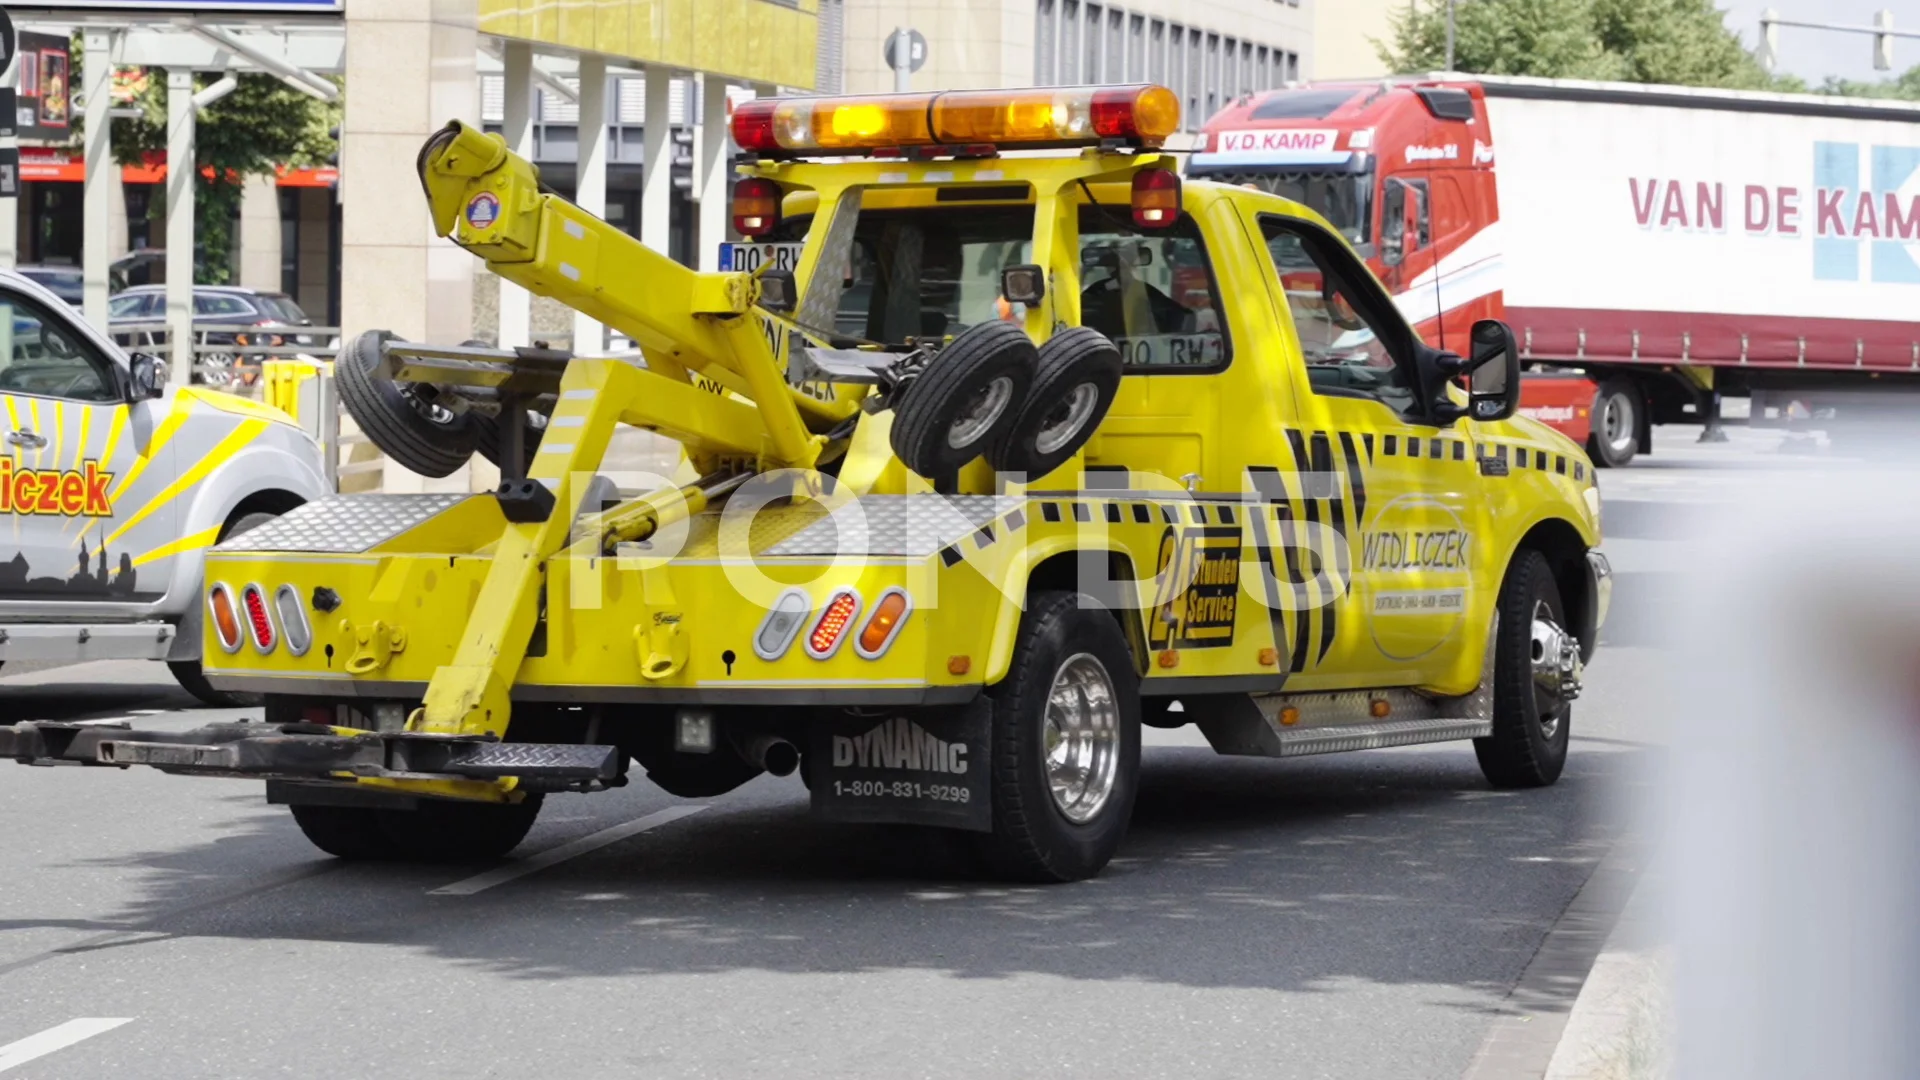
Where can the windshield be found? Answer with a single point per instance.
(1344, 198)
(932, 272)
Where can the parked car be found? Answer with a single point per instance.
(223, 306)
(64, 282)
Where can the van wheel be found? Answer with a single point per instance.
(1078, 374)
(1065, 743)
(187, 672)
(1614, 437)
(1528, 747)
(964, 400)
(438, 831)
(401, 419)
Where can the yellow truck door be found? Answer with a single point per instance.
(1390, 495)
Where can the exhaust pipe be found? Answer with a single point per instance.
(772, 753)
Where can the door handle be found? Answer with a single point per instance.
(27, 439)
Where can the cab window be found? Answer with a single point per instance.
(206, 304)
(43, 355)
(934, 271)
(1351, 347)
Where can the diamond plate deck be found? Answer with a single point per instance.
(1295, 742)
(907, 525)
(342, 523)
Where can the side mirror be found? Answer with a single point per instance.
(1493, 371)
(149, 375)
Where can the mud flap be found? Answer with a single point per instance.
(925, 766)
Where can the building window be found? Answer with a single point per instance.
(1045, 43)
(830, 64)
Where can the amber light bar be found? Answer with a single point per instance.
(1054, 116)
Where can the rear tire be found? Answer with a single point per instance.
(1065, 744)
(412, 434)
(1614, 435)
(965, 399)
(1528, 747)
(187, 672)
(438, 831)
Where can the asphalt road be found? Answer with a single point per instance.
(1351, 916)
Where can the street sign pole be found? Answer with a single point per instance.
(906, 53)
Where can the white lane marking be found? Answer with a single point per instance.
(57, 1038)
(591, 842)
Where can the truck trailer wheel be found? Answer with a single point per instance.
(438, 831)
(421, 436)
(187, 672)
(1077, 375)
(965, 399)
(1615, 434)
(1528, 747)
(1066, 744)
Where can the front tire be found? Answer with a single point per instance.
(421, 437)
(1065, 743)
(437, 831)
(1528, 747)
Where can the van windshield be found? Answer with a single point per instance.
(934, 271)
(1344, 198)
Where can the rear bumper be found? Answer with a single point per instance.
(311, 751)
(772, 695)
(1599, 599)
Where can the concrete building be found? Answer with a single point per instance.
(1208, 52)
(1345, 33)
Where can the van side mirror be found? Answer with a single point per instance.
(1493, 371)
(149, 376)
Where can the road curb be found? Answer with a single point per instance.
(1523, 1042)
(1620, 1027)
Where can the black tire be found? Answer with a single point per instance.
(187, 672)
(1075, 378)
(965, 375)
(1614, 437)
(438, 831)
(391, 417)
(1033, 839)
(1528, 747)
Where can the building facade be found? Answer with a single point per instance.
(1209, 53)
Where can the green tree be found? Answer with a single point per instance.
(1664, 41)
(263, 123)
(1905, 87)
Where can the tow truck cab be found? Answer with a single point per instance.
(1244, 484)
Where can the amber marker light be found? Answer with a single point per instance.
(226, 620)
(1379, 709)
(1289, 716)
(889, 615)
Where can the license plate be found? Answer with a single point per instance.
(749, 258)
(914, 767)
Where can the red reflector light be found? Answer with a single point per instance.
(753, 125)
(1156, 198)
(756, 205)
(258, 620)
(830, 629)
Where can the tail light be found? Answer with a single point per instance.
(782, 625)
(756, 206)
(294, 628)
(225, 616)
(889, 615)
(259, 622)
(830, 629)
(1156, 198)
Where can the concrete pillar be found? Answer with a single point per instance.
(117, 233)
(712, 179)
(590, 192)
(260, 234)
(656, 181)
(411, 66)
(316, 252)
(96, 200)
(516, 304)
(180, 177)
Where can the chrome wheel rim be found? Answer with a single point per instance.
(1548, 651)
(1616, 421)
(982, 410)
(1082, 738)
(1066, 420)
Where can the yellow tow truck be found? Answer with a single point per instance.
(1011, 443)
